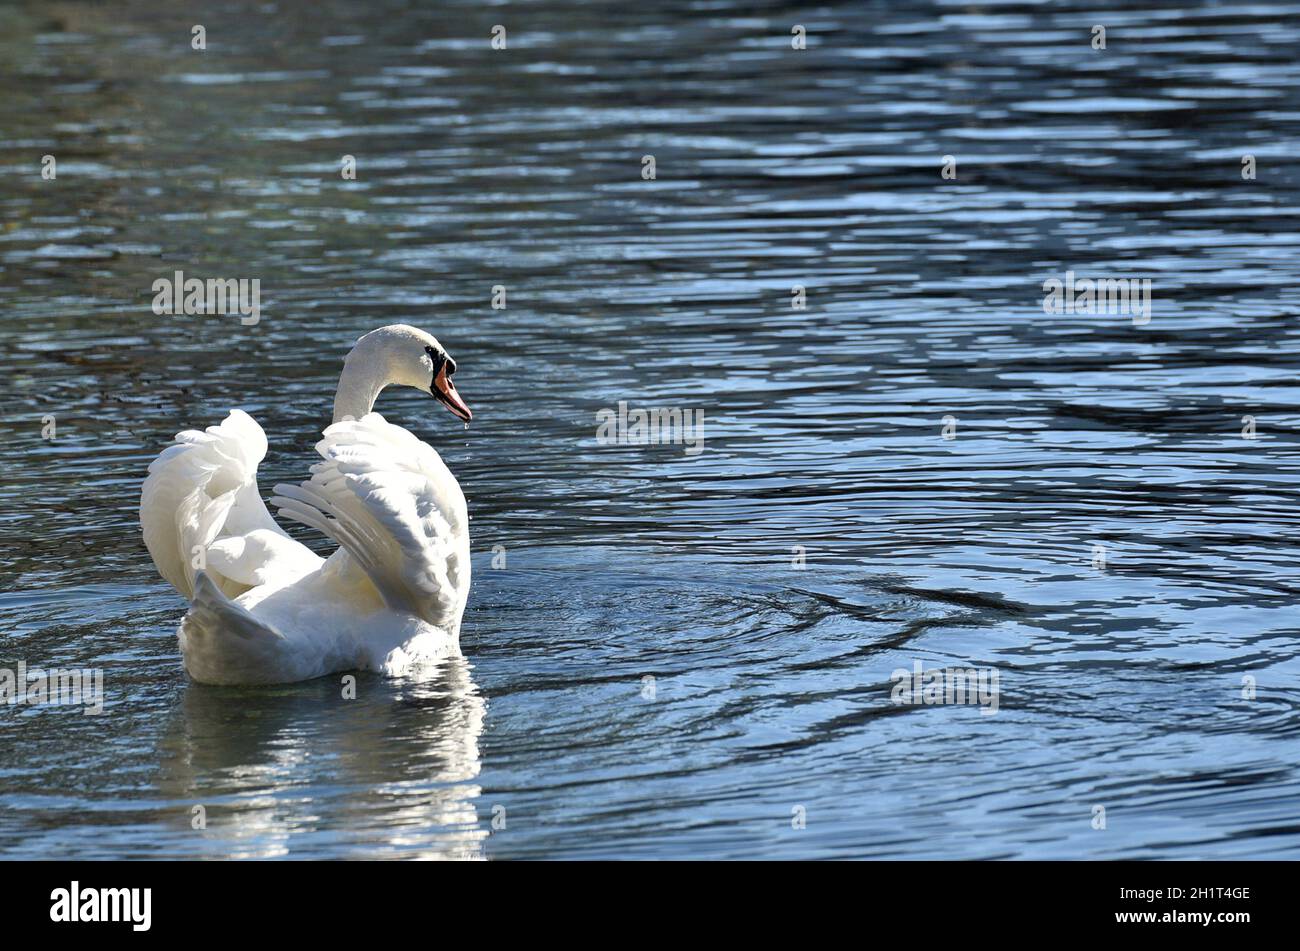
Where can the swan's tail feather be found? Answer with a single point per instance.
(223, 643)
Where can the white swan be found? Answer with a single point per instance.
(265, 608)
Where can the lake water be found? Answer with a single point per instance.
(1098, 532)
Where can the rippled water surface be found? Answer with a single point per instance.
(1076, 436)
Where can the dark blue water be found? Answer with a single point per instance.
(827, 534)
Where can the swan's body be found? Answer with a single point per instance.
(265, 608)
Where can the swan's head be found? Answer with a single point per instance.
(402, 355)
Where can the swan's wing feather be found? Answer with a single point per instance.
(390, 501)
(201, 491)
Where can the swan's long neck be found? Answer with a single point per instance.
(359, 385)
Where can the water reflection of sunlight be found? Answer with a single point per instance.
(298, 770)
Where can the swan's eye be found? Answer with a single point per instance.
(439, 358)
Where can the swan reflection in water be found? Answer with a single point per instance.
(298, 770)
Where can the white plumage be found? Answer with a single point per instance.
(265, 608)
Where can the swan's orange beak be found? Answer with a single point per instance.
(444, 391)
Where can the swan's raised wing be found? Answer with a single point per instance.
(200, 507)
(390, 501)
